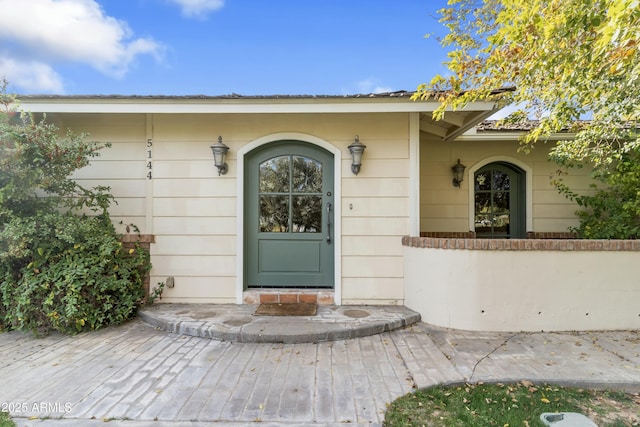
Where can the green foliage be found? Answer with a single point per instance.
(562, 59)
(60, 268)
(5, 420)
(156, 293)
(611, 212)
(519, 404)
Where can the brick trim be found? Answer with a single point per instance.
(129, 241)
(138, 238)
(523, 244)
(449, 234)
(551, 235)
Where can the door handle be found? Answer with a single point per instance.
(328, 222)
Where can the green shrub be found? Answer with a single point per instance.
(70, 274)
(612, 210)
(62, 265)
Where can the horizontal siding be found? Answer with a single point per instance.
(373, 288)
(112, 128)
(554, 224)
(373, 266)
(120, 188)
(194, 245)
(237, 129)
(379, 168)
(375, 226)
(129, 207)
(193, 211)
(194, 206)
(182, 169)
(371, 245)
(194, 187)
(197, 287)
(194, 226)
(133, 150)
(103, 169)
(389, 207)
(445, 208)
(375, 187)
(194, 265)
(444, 224)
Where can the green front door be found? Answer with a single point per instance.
(289, 216)
(500, 201)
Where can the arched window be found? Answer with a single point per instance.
(500, 200)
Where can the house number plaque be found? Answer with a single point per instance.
(149, 159)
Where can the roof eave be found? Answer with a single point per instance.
(231, 105)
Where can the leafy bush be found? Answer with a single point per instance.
(62, 266)
(612, 211)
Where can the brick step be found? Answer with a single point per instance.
(259, 296)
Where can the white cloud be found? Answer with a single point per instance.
(371, 85)
(198, 8)
(34, 75)
(77, 31)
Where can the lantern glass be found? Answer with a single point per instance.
(458, 173)
(219, 155)
(356, 149)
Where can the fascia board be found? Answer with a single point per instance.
(232, 106)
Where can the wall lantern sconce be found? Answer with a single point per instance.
(356, 149)
(458, 173)
(219, 155)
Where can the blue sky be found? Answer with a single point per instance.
(217, 47)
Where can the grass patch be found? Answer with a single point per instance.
(509, 405)
(5, 420)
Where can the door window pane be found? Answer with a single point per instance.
(307, 175)
(290, 193)
(483, 181)
(274, 175)
(274, 214)
(492, 204)
(307, 214)
(501, 181)
(483, 214)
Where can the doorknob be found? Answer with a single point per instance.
(328, 222)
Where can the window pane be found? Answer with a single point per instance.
(274, 175)
(274, 214)
(483, 213)
(483, 181)
(307, 175)
(501, 214)
(501, 181)
(307, 214)
(501, 202)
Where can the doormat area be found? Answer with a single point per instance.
(287, 309)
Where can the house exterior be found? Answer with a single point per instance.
(290, 220)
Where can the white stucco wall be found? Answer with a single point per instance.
(523, 290)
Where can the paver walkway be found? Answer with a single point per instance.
(135, 375)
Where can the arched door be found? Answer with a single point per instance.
(289, 216)
(499, 201)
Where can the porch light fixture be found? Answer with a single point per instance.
(356, 149)
(219, 155)
(458, 173)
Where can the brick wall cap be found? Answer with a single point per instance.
(562, 244)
